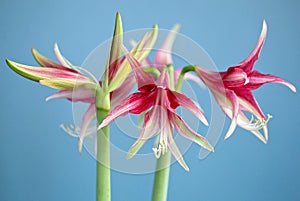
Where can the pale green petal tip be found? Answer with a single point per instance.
(80, 143)
(118, 25)
(176, 27)
(21, 71)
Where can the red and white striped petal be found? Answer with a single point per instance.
(150, 127)
(175, 150)
(143, 79)
(135, 103)
(256, 79)
(120, 93)
(88, 117)
(177, 99)
(248, 102)
(184, 130)
(37, 73)
(75, 95)
(233, 101)
(248, 63)
(235, 77)
(45, 62)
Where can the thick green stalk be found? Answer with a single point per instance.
(103, 192)
(161, 180)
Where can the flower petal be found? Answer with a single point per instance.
(248, 63)
(184, 130)
(233, 100)
(45, 62)
(37, 73)
(140, 52)
(248, 102)
(175, 150)
(164, 80)
(76, 95)
(235, 77)
(135, 103)
(163, 56)
(88, 117)
(67, 84)
(177, 99)
(115, 50)
(62, 60)
(151, 126)
(256, 79)
(118, 95)
(143, 79)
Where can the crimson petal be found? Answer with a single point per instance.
(248, 63)
(135, 103)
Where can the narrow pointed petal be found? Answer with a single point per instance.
(233, 99)
(143, 79)
(62, 60)
(151, 126)
(37, 73)
(115, 50)
(120, 93)
(184, 130)
(140, 52)
(248, 102)
(67, 84)
(164, 80)
(248, 63)
(45, 62)
(163, 56)
(145, 45)
(177, 99)
(145, 62)
(88, 117)
(256, 79)
(135, 103)
(76, 95)
(175, 151)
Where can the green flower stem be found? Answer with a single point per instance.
(161, 179)
(152, 71)
(103, 192)
(170, 68)
(181, 76)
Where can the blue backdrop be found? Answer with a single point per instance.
(38, 161)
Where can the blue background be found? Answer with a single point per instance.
(38, 161)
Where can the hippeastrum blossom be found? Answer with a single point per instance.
(159, 102)
(75, 86)
(232, 90)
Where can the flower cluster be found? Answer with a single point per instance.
(158, 93)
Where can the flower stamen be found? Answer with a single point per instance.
(160, 149)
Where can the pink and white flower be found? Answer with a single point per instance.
(159, 102)
(232, 90)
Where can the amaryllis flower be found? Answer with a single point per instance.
(159, 102)
(232, 90)
(78, 85)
